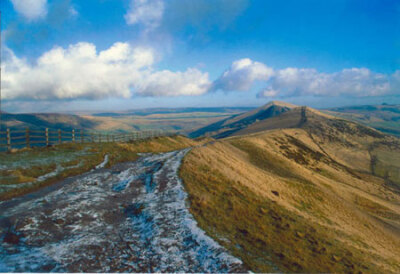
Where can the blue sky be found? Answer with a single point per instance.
(121, 54)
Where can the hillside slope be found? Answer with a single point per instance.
(46, 120)
(320, 196)
(231, 125)
(385, 118)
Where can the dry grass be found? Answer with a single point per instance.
(90, 156)
(280, 201)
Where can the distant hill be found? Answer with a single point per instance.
(236, 123)
(153, 111)
(309, 118)
(274, 115)
(385, 117)
(46, 120)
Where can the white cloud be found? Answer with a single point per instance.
(357, 82)
(167, 83)
(242, 74)
(288, 82)
(31, 9)
(146, 12)
(81, 72)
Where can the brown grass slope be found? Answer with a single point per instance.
(320, 196)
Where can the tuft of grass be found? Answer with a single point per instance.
(375, 208)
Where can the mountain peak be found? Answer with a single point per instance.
(280, 104)
(236, 123)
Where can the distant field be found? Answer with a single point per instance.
(183, 120)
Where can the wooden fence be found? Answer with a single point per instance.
(28, 138)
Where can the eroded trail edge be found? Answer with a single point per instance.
(132, 217)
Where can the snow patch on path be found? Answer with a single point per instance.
(132, 217)
(177, 243)
(102, 164)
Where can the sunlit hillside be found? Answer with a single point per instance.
(313, 194)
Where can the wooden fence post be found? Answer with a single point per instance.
(47, 137)
(91, 137)
(81, 136)
(73, 136)
(59, 136)
(8, 139)
(99, 137)
(27, 138)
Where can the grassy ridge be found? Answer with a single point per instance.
(279, 202)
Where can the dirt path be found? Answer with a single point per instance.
(132, 217)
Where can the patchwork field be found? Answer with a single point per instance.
(183, 120)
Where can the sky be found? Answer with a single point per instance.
(114, 55)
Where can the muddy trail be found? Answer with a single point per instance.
(132, 217)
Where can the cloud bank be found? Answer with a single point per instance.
(355, 82)
(292, 82)
(79, 71)
(31, 9)
(123, 71)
